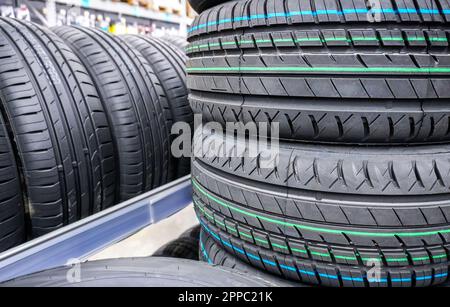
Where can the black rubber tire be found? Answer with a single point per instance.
(314, 270)
(177, 41)
(12, 219)
(183, 247)
(329, 204)
(202, 5)
(211, 252)
(142, 272)
(133, 100)
(423, 171)
(325, 77)
(186, 246)
(194, 232)
(58, 127)
(168, 63)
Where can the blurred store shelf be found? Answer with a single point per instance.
(125, 8)
(155, 17)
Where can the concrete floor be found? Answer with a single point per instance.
(147, 241)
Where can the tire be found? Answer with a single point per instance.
(142, 272)
(193, 233)
(202, 5)
(12, 219)
(361, 173)
(168, 64)
(183, 247)
(345, 81)
(179, 42)
(58, 126)
(186, 246)
(318, 272)
(212, 253)
(299, 215)
(422, 171)
(133, 100)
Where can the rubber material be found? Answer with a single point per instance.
(326, 240)
(345, 80)
(59, 127)
(12, 220)
(388, 221)
(329, 206)
(142, 272)
(356, 121)
(211, 252)
(194, 233)
(240, 15)
(318, 273)
(178, 41)
(185, 247)
(168, 64)
(382, 171)
(378, 211)
(131, 95)
(326, 243)
(201, 5)
(313, 207)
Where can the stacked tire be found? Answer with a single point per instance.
(60, 141)
(202, 5)
(168, 62)
(360, 195)
(85, 123)
(177, 41)
(143, 272)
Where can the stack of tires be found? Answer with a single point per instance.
(360, 195)
(85, 123)
(177, 41)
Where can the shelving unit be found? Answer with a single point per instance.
(126, 9)
(48, 10)
(97, 232)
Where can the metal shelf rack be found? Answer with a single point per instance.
(90, 235)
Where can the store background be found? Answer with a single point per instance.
(156, 17)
